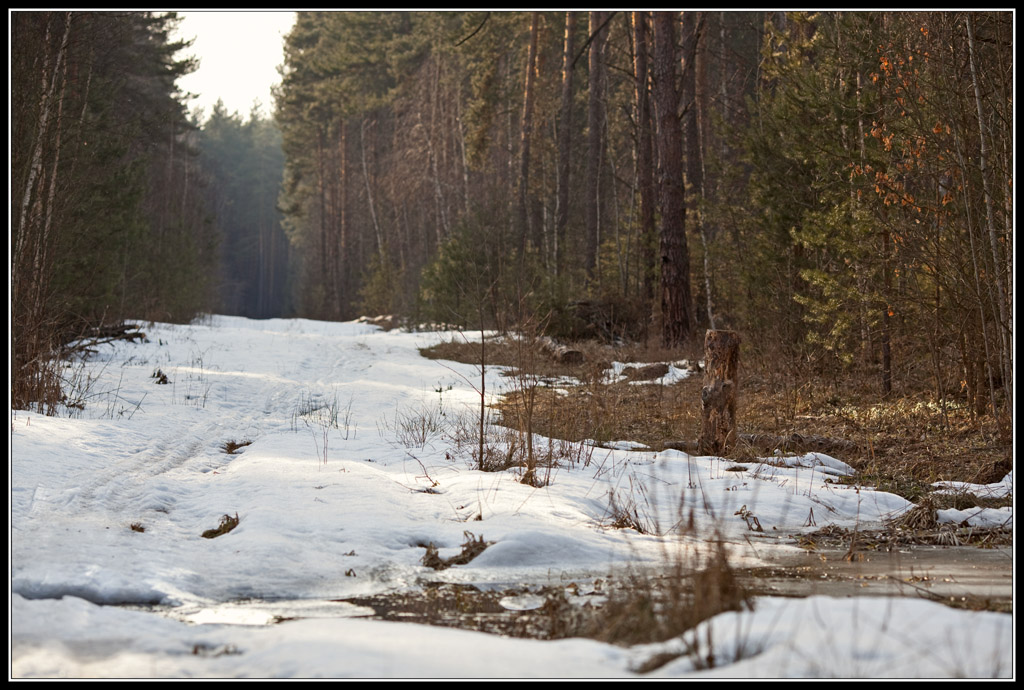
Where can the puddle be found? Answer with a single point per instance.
(963, 577)
(958, 576)
(535, 611)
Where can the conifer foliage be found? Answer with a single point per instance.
(107, 220)
(841, 183)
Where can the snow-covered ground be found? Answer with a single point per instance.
(359, 458)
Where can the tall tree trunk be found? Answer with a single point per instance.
(1005, 326)
(676, 302)
(644, 157)
(691, 129)
(342, 182)
(564, 142)
(595, 144)
(525, 133)
(25, 234)
(369, 191)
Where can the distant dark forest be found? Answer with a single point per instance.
(836, 185)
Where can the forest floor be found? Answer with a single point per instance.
(901, 443)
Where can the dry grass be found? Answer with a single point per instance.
(471, 548)
(232, 447)
(903, 443)
(227, 523)
(672, 604)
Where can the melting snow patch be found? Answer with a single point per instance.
(828, 464)
(999, 489)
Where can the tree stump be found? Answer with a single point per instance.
(718, 396)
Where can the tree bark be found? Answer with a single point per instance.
(691, 130)
(1005, 326)
(595, 124)
(564, 142)
(718, 396)
(644, 156)
(676, 301)
(525, 133)
(369, 191)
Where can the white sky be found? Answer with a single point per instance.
(239, 53)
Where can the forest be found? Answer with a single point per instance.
(836, 186)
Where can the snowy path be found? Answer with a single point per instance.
(336, 499)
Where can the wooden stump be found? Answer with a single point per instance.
(718, 396)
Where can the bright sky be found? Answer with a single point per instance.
(239, 53)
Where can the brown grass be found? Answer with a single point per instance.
(471, 548)
(227, 523)
(905, 442)
(232, 447)
(671, 604)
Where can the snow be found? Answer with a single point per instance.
(1004, 487)
(358, 460)
(677, 371)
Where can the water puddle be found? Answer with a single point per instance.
(963, 577)
(957, 576)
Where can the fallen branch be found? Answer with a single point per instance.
(560, 353)
(100, 335)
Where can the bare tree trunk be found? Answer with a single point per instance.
(676, 301)
(525, 132)
(644, 156)
(718, 396)
(369, 191)
(564, 142)
(343, 203)
(462, 152)
(48, 93)
(595, 124)
(1005, 325)
(441, 226)
(691, 130)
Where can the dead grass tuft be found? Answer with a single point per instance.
(671, 604)
(471, 548)
(923, 516)
(227, 523)
(232, 447)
